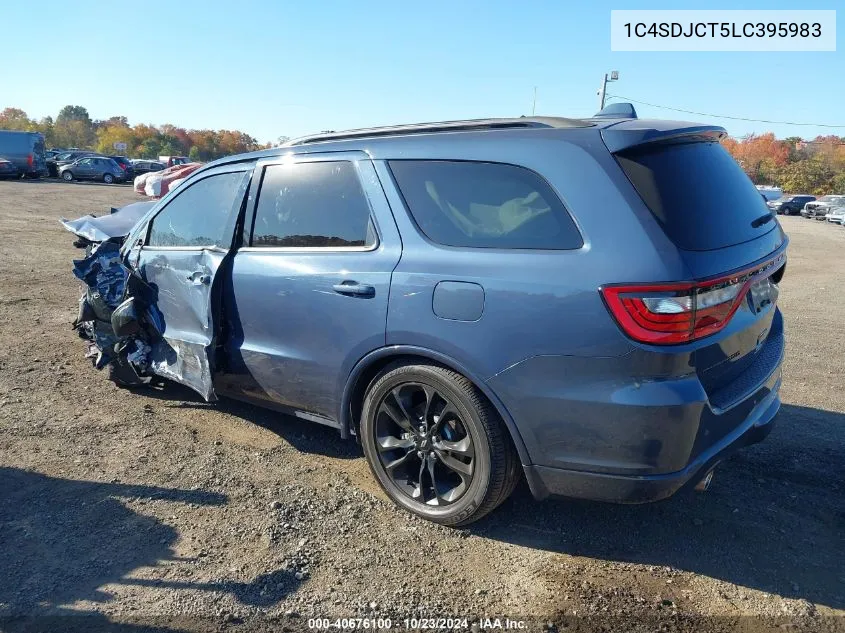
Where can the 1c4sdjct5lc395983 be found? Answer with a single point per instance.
(590, 303)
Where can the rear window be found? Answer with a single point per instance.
(698, 193)
(484, 205)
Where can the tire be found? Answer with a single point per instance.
(108, 179)
(420, 463)
(67, 176)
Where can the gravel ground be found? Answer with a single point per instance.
(152, 510)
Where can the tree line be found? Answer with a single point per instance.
(73, 127)
(795, 165)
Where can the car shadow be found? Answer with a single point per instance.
(774, 519)
(306, 437)
(61, 540)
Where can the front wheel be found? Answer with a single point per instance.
(67, 176)
(436, 445)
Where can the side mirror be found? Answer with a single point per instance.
(124, 319)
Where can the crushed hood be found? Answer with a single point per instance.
(118, 224)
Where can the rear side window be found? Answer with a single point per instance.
(484, 205)
(200, 214)
(308, 205)
(698, 193)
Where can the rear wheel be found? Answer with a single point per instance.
(436, 445)
(108, 179)
(67, 175)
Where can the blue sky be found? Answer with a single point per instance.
(289, 68)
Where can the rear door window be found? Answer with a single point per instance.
(484, 205)
(312, 205)
(698, 193)
(200, 214)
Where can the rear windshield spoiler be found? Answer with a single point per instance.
(636, 133)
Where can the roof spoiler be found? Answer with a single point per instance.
(635, 133)
(616, 111)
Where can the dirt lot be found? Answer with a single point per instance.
(153, 509)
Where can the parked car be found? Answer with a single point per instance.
(770, 193)
(145, 166)
(65, 158)
(8, 169)
(836, 215)
(172, 161)
(436, 298)
(790, 205)
(25, 150)
(818, 209)
(93, 168)
(126, 165)
(157, 184)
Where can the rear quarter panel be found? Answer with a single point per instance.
(536, 302)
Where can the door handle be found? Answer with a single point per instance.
(354, 288)
(199, 277)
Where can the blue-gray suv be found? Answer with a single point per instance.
(588, 303)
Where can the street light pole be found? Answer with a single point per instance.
(614, 75)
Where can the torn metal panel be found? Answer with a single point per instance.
(118, 224)
(185, 363)
(103, 272)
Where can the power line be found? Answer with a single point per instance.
(723, 116)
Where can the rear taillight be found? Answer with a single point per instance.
(666, 314)
(29, 160)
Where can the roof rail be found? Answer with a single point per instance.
(616, 111)
(443, 126)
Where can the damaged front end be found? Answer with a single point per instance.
(117, 313)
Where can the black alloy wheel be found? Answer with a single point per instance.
(424, 445)
(436, 445)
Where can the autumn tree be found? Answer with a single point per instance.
(15, 119)
(813, 176)
(108, 135)
(74, 128)
(761, 156)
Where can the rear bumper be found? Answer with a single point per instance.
(545, 481)
(597, 428)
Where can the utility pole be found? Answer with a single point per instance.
(534, 105)
(614, 76)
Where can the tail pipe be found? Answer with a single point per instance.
(704, 484)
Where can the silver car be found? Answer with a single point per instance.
(819, 208)
(836, 215)
(92, 168)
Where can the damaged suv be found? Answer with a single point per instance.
(588, 302)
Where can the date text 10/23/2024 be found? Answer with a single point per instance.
(418, 624)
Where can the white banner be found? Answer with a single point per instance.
(722, 30)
